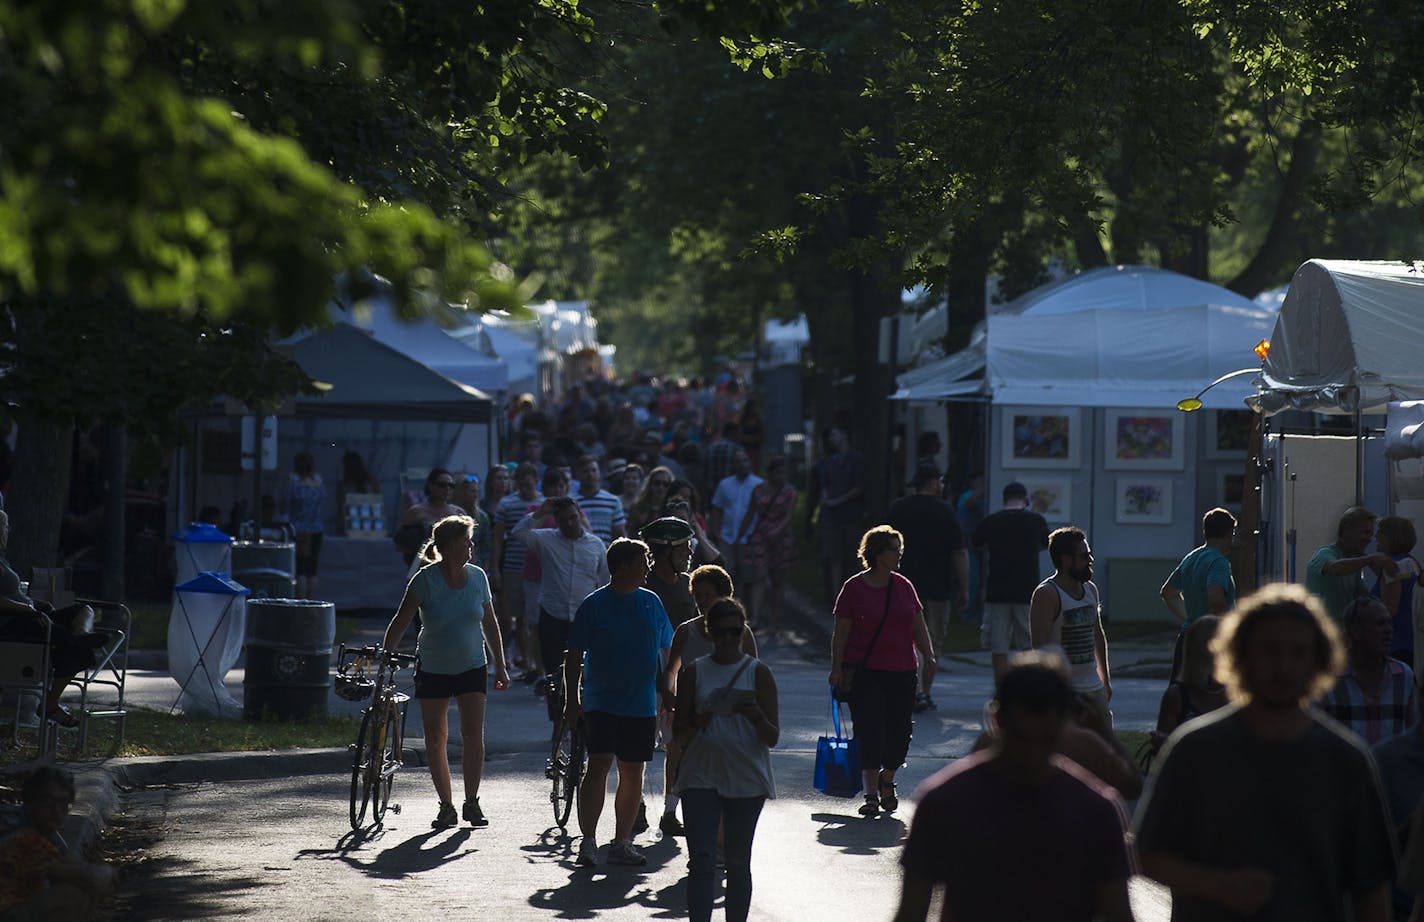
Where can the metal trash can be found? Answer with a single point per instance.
(267, 568)
(289, 643)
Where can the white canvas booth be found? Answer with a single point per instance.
(401, 416)
(1084, 376)
(1346, 344)
(397, 413)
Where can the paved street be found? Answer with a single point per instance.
(281, 847)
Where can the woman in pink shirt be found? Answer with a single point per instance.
(879, 625)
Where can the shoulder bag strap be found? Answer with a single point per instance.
(889, 587)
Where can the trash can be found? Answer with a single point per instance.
(289, 645)
(200, 548)
(267, 568)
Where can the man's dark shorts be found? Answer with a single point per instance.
(630, 739)
(448, 685)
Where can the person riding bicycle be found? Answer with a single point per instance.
(671, 541)
(574, 562)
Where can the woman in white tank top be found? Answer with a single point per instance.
(726, 720)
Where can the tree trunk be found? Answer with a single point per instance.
(39, 489)
(1281, 235)
(114, 458)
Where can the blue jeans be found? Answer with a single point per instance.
(703, 810)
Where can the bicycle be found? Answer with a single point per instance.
(568, 755)
(376, 754)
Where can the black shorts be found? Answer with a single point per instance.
(306, 563)
(630, 739)
(448, 685)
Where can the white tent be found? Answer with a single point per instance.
(426, 341)
(1349, 336)
(515, 341)
(1123, 336)
(1116, 336)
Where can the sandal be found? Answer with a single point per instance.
(871, 807)
(888, 796)
(61, 716)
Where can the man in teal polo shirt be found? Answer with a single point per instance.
(1202, 583)
(1335, 574)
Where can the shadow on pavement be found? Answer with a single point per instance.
(185, 892)
(422, 852)
(608, 887)
(856, 835)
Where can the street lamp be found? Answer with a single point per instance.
(1192, 404)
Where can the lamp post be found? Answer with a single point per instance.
(1192, 404)
(1250, 504)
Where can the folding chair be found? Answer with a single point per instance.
(24, 683)
(108, 675)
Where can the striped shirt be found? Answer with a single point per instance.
(508, 513)
(1377, 715)
(1076, 631)
(604, 511)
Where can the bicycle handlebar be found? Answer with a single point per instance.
(377, 652)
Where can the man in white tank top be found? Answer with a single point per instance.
(1065, 614)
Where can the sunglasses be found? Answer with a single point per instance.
(444, 483)
(726, 631)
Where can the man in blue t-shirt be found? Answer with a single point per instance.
(617, 647)
(1202, 583)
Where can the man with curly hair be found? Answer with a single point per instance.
(1266, 808)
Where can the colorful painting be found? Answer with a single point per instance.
(1143, 440)
(1041, 437)
(1231, 490)
(1144, 501)
(1228, 434)
(1049, 496)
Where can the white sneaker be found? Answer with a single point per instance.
(626, 853)
(587, 853)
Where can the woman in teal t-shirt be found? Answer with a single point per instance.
(458, 634)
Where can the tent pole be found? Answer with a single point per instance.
(1359, 450)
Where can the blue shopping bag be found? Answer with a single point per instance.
(838, 761)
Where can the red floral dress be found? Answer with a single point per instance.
(767, 553)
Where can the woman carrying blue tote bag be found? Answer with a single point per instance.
(838, 761)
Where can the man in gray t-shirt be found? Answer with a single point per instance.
(1267, 809)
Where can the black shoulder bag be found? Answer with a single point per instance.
(846, 690)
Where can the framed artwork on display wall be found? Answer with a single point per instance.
(1143, 440)
(1227, 432)
(1050, 495)
(1143, 500)
(1230, 488)
(1040, 437)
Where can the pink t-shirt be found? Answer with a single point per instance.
(864, 605)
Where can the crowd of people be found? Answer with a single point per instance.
(634, 552)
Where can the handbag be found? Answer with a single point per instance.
(846, 690)
(838, 761)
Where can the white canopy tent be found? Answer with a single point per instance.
(1123, 336)
(428, 342)
(1347, 339)
(1115, 336)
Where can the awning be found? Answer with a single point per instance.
(947, 378)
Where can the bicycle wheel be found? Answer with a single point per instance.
(360, 756)
(383, 771)
(560, 768)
